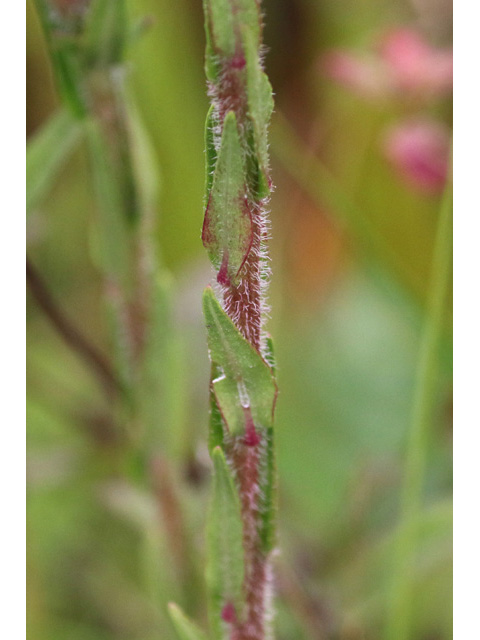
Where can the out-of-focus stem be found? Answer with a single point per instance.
(399, 614)
(95, 360)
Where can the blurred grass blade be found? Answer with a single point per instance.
(62, 31)
(399, 620)
(48, 152)
(225, 554)
(163, 383)
(113, 254)
(246, 381)
(145, 165)
(185, 628)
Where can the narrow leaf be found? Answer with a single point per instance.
(62, 32)
(221, 25)
(210, 153)
(215, 433)
(185, 628)
(227, 228)
(145, 169)
(162, 387)
(47, 154)
(113, 231)
(260, 106)
(224, 21)
(268, 504)
(246, 381)
(225, 567)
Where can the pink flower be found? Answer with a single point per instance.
(419, 151)
(415, 66)
(364, 75)
(405, 66)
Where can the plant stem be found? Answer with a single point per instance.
(235, 234)
(95, 360)
(399, 615)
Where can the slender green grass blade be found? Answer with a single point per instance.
(399, 615)
(113, 254)
(63, 40)
(48, 152)
(185, 628)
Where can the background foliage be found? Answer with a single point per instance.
(352, 250)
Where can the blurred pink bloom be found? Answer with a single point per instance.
(416, 66)
(363, 75)
(419, 151)
(405, 66)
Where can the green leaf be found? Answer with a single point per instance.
(163, 380)
(144, 167)
(62, 32)
(185, 628)
(246, 380)
(113, 241)
(47, 154)
(210, 152)
(260, 106)
(224, 21)
(249, 17)
(215, 433)
(268, 494)
(269, 354)
(225, 564)
(227, 228)
(221, 25)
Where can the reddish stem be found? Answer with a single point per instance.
(245, 458)
(242, 302)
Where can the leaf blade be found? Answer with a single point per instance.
(227, 230)
(247, 380)
(225, 565)
(47, 152)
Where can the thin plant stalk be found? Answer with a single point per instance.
(88, 42)
(399, 615)
(235, 234)
(240, 527)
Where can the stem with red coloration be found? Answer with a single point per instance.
(235, 233)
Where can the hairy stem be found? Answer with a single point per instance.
(235, 234)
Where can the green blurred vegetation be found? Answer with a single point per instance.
(111, 541)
